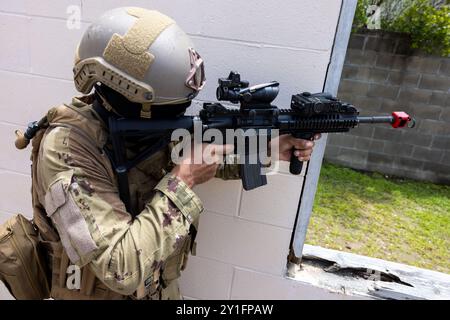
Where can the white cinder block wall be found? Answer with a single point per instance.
(244, 237)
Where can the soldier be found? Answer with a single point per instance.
(139, 64)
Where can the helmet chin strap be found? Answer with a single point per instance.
(146, 111)
(117, 104)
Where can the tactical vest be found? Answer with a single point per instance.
(91, 288)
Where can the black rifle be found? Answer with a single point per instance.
(309, 114)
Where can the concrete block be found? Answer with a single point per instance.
(264, 206)
(15, 39)
(422, 175)
(380, 44)
(220, 196)
(383, 168)
(397, 149)
(415, 95)
(378, 75)
(245, 21)
(282, 167)
(410, 63)
(407, 63)
(445, 115)
(362, 58)
(347, 155)
(403, 47)
(92, 9)
(363, 73)
(392, 62)
(440, 99)
(363, 131)
(353, 87)
(432, 82)
(388, 134)
(51, 8)
(243, 243)
(445, 67)
(18, 6)
(4, 293)
(366, 105)
(12, 97)
(48, 93)
(31, 96)
(442, 171)
(331, 151)
(384, 91)
(408, 79)
(417, 138)
(434, 127)
(441, 142)
(388, 106)
(380, 158)
(11, 158)
(52, 47)
(257, 65)
(424, 111)
(254, 23)
(446, 159)
(363, 143)
(256, 285)
(16, 193)
(206, 279)
(356, 41)
(427, 154)
(377, 145)
(430, 65)
(4, 216)
(408, 163)
(386, 61)
(341, 140)
(352, 72)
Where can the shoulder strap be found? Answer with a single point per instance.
(24, 138)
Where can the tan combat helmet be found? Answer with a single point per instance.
(143, 55)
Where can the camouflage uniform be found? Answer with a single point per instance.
(75, 191)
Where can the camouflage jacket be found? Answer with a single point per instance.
(74, 182)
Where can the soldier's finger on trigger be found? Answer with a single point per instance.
(302, 144)
(303, 153)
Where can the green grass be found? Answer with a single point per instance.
(397, 220)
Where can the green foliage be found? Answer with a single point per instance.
(398, 220)
(427, 24)
(360, 19)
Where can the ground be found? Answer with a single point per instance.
(393, 219)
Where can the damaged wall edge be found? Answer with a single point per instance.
(366, 277)
(340, 272)
(333, 76)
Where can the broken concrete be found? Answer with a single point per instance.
(367, 277)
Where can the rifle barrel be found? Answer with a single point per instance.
(376, 119)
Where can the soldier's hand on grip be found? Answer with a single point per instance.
(200, 165)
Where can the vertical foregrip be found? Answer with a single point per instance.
(296, 166)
